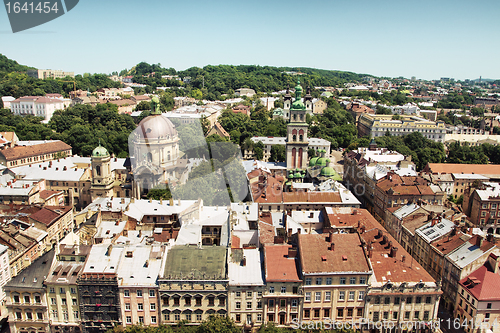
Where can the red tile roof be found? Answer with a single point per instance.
(316, 255)
(481, 169)
(45, 194)
(384, 266)
(35, 150)
(266, 233)
(483, 284)
(50, 214)
(312, 197)
(280, 268)
(447, 244)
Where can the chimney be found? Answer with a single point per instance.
(384, 240)
(298, 231)
(332, 246)
(362, 230)
(290, 231)
(161, 201)
(370, 250)
(292, 252)
(171, 202)
(403, 259)
(479, 241)
(394, 251)
(244, 261)
(330, 236)
(123, 200)
(380, 233)
(65, 168)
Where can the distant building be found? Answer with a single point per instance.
(218, 130)
(49, 74)
(244, 92)
(39, 106)
(6, 100)
(378, 125)
(29, 154)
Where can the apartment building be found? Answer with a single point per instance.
(193, 285)
(26, 297)
(63, 301)
(481, 203)
(478, 298)
(5, 277)
(246, 287)
(283, 297)
(138, 271)
(57, 221)
(335, 272)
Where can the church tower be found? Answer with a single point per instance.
(102, 176)
(296, 140)
(308, 101)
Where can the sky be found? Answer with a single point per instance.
(428, 39)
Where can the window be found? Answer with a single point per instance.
(375, 316)
(198, 301)
(188, 316)
(238, 305)
(259, 305)
(271, 303)
(361, 295)
(426, 315)
(152, 306)
(328, 281)
(360, 312)
(283, 290)
(16, 299)
(249, 305)
(416, 315)
(259, 293)
(259, 317)
(39, 316)
(351, 296)
(140, 306)
(407, 315)
(127, 306)
(387, 300)
(342, 296)
(54, 315)
(73, 290)
(62, 290)
(328, 295)
(126, 293)
(352, 280)
(53, 301)
(75, 301)
(19, 315)
(428, 300)
(177, 301)
(153, 319)
(63, 300)
(488, 305)
(386, 315)
(486, 316)
(319, 281)
(317, 296)
(307, 313)
(362, 280)
(238, 294)
(308, 296)
(308, 281)
(271, 290)
(377, 300)
(187, 300)
(151, 293)
(26, 299)
(418, 300)
(139, 293)
(198, 317)
(141, 320)
(52, 290)
(250, 294)
(397, 300)
(409, 300)
(395, 315)
(342, 280)
(222, 301)
(238, 318)
(177, 317)
(29, 315)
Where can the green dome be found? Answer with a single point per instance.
(328, 172)
(312, 162)
(100, 151)
(298, 175)
(322, 161)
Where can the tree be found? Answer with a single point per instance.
(196, 94)
(278, 153)
(219, 324)
(159, 193)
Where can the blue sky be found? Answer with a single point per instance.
(426, 39)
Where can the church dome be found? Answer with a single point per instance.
(100, 151)
(312, 162)
(156, 127)
(328, 172)
(322, 161)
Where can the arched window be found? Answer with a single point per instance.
(294, 138)
(301, 138)
(301, 117)
(294, 131)
(294, 117)
(98, 170)
(150, 157)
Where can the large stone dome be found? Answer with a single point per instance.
(156, 127)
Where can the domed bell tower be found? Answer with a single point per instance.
(102, 176)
